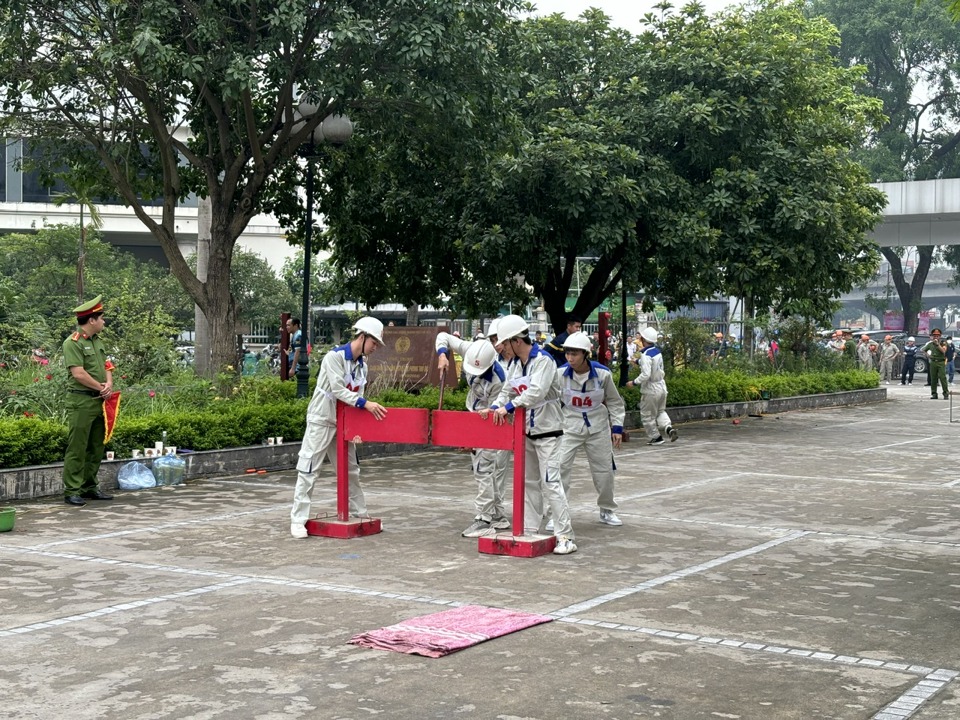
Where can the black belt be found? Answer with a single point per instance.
(91, 393)
(541, 436)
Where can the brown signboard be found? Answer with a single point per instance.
(408, 359)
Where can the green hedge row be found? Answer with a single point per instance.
(707, 387)
(36, 441)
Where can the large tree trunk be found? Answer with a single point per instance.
(911, 294)
(221, 313)
(600, 285)
(220, 308)
(746, 328)
(201, 341)
(413, 315)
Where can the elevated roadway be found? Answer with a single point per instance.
(920, 212)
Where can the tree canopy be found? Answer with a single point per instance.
(38, 287)
(170, 97)
(708, 155)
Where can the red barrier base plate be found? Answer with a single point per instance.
(517, 545)
(354, 527)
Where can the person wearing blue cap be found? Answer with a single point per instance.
(89, 384)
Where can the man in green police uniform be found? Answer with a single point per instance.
(936, 350)
(89, 384)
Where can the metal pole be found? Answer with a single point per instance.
(303, 362)
(624, 369)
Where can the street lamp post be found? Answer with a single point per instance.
(335, 130)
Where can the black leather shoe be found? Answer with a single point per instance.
(97, 495)
(74, 500)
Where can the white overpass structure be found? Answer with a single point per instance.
(26, 206)
(122, 228)
(920, 212)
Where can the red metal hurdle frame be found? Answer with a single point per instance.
(443, 428)
(459, 428)
(401, 425)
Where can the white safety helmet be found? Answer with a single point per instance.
(511, 326)
(911, 339)
(492, 329)
(578, 341)
(649, 334)
(478, 358)
(371, 326)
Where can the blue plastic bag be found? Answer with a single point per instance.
(135, 476)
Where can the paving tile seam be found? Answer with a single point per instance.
(120, 607)
(677, 575)
(932, 676)
(908, 704)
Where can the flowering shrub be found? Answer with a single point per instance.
(27, 392)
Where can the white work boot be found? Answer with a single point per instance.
(297, 530)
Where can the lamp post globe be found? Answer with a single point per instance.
(335, 130)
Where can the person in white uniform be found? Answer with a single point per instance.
(533, 384)
(343, 375)
(593, 413)
(653, 390)
(485, 378)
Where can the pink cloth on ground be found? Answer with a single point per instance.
(446, 632)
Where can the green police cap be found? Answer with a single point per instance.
(89, 308)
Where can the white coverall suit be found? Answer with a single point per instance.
(536, 388)
(653, 393)
(592, 411)
(342, 378)
(489, 466)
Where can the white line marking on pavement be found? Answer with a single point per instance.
(931, 675)
(155, 528)
(775, 529)
(831, 479)
(913, 699)
(110, 609)
(683, 486)
(676, 575)
(892, 445)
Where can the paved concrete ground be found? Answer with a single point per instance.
(794, 566)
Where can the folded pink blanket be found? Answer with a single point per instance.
(446, 632)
